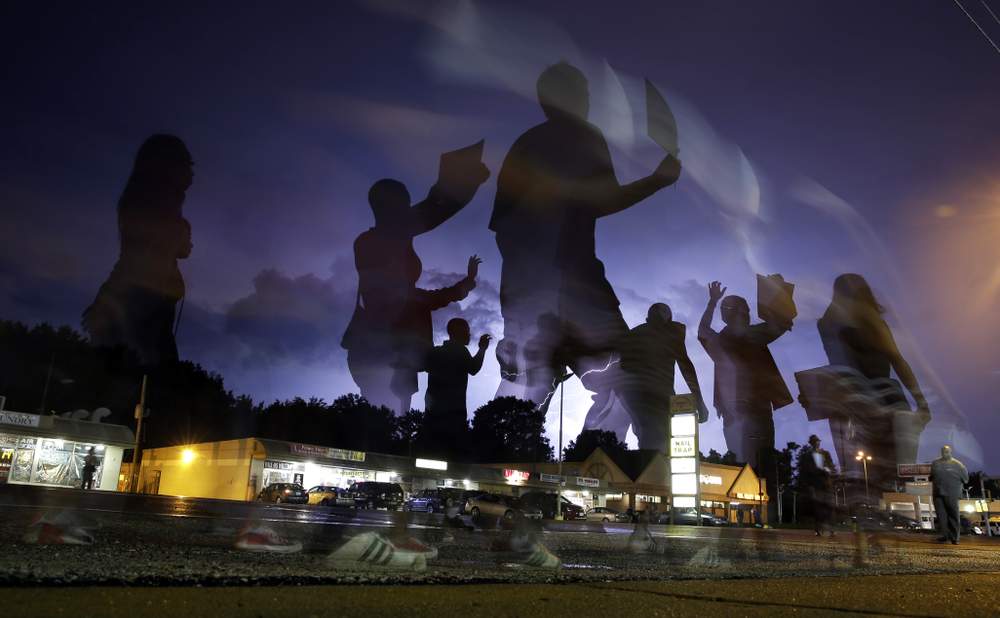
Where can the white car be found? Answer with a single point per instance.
(603, 514)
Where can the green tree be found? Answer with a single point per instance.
(590, 439)
(508, 429)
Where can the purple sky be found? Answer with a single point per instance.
(817, 139)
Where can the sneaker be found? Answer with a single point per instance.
(542, 558)
(374, 549)
(262, 538)
(45, 533)
(411, 544)
(58, 528)
(642, 545)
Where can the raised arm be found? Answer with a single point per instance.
(477, 360)
(691, 379)
(715, 293)
(442, 204)
(435, 299)
(606, 196)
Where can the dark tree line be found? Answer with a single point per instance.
(56, 370)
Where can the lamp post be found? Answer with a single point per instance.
(864, 459)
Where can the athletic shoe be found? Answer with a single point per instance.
(542, 558)
(57, 528)
(374, 549)
(264, 539)
(45, 533)
(411, 544)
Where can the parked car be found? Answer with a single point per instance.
(459, 496)
(325, 495)
(496, 505)
(373, 495)
(604, 514)
(425, 501)
(689, 517)
(278, 493)
(546, 503)
(870, 517)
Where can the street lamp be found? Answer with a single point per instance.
(864, 459)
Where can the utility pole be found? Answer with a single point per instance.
(48, 379)
(140, 412)
(985, 502)
(562, 387)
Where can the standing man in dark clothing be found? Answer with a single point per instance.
(816, 471)
(448, 369)
(648, 355)
(556, 182)
(90, 463)
(948, 476)
(748, 386)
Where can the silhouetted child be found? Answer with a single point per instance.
(748, 385)
(449, 366)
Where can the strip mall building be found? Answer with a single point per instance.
(239, 469)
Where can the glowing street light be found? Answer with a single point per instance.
(864, 459)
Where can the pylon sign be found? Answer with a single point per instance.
(682, 451)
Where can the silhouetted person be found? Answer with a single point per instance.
(748, 385)
(816, 472)
(856, 337)
(90, 463)
(135, 307)
(648, 355)
(390, 333)
(948, 476)
(556, 182)
(448, 369)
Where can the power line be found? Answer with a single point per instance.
(976, 24)
(987, 7)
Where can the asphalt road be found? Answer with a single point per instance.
(961, 594)
(149, 540)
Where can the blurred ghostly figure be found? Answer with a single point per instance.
(648, 355)
(448, 369)
(390, 333)
(876, 417)
(135, 307)
(556, 182)
(748, 385)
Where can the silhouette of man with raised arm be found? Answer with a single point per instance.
(649, 353)
(555, 183)
(390, 333)
(748, 385)
(449, 366)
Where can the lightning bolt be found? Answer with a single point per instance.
(556, 381)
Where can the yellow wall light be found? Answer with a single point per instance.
(187, 456)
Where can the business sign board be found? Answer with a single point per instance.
(913, 469)
(583, 481)
(515, 476)
(682, 446)
(19, 419)
(685, 491)
(311, 450)
(550, 478)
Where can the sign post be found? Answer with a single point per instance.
(683, 462)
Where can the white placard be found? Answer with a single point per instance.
(682, 447)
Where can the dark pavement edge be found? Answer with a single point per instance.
(960, 594)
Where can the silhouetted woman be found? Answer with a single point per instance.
(855, 336)
(136, 306)
(390, 333)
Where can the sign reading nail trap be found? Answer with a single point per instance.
(684, 464)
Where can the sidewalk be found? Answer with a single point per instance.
(961, 594)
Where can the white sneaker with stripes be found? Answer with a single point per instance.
(374, 550)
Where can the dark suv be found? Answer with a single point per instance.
(277, 493)
(372, 495)
(546, 503)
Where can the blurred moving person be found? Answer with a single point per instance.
(448, 367)
(876, 417)
(748, 385)
(90, 463)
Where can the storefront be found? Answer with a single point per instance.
(240, 469)
(49, 450)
